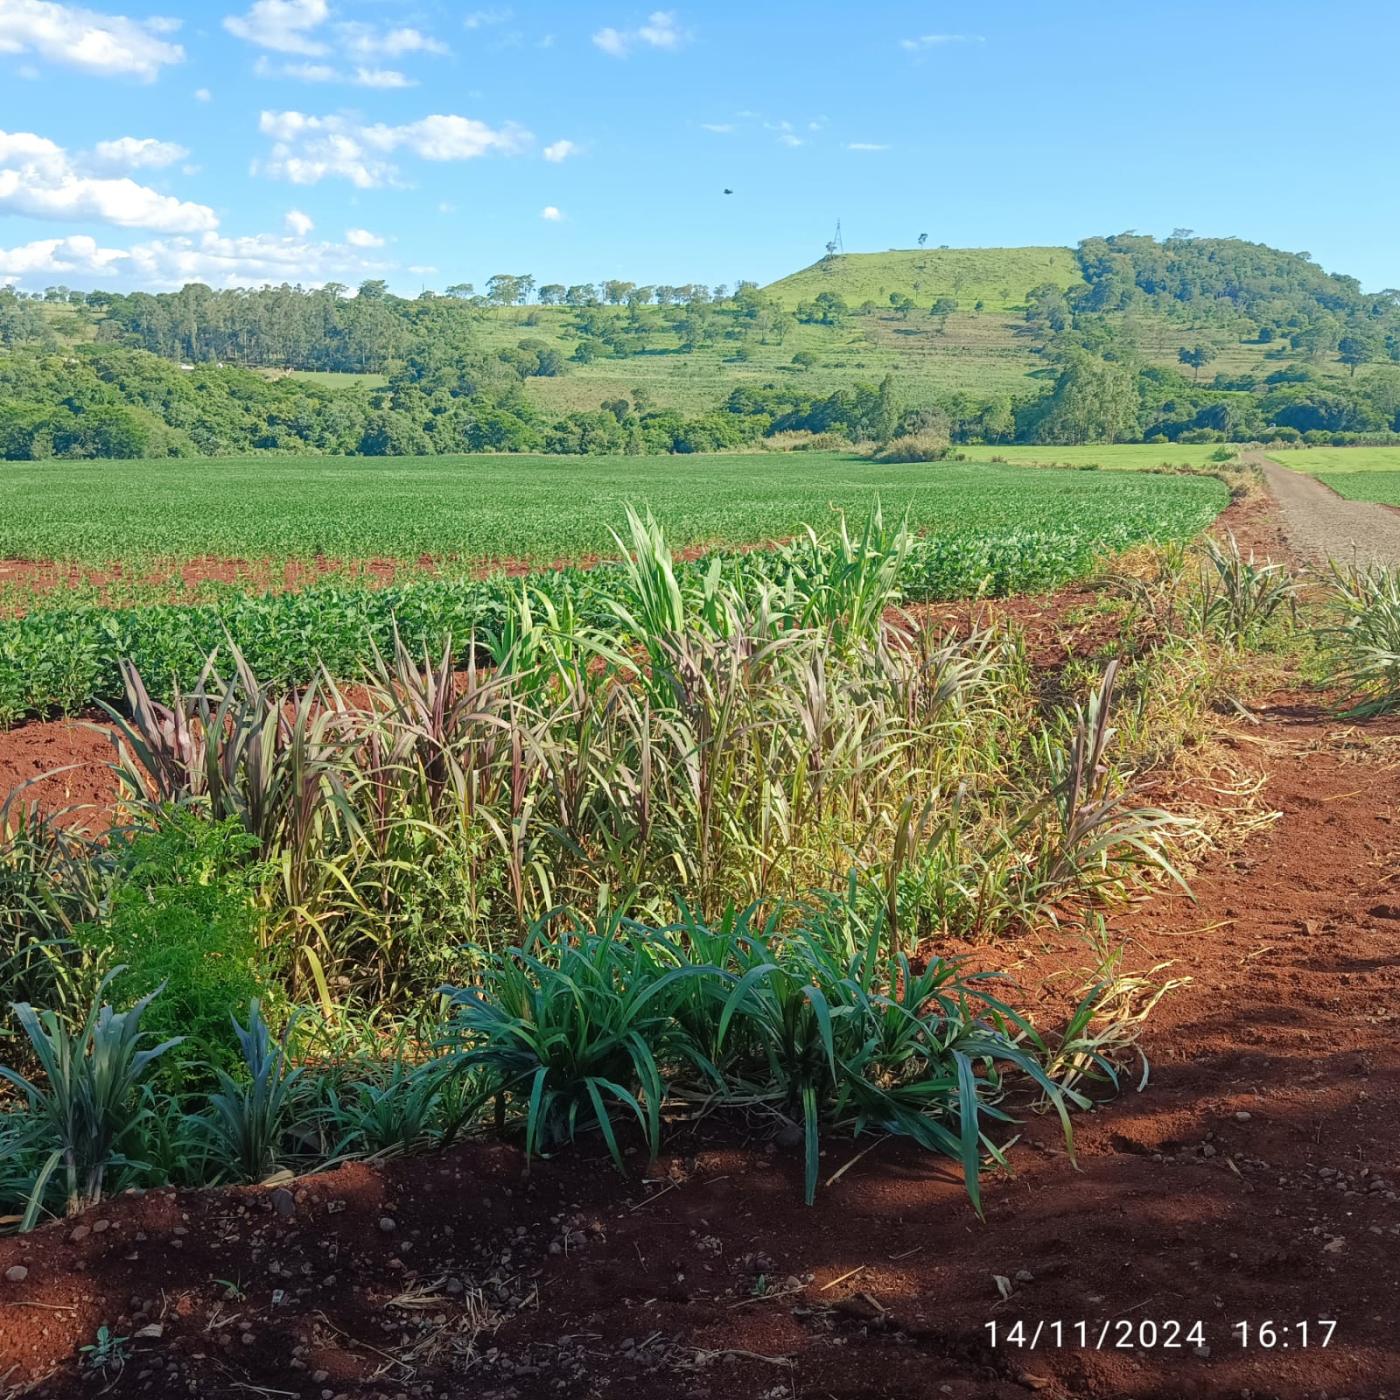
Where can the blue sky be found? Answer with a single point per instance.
(247, 141)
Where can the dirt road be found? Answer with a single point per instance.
(1322, 525)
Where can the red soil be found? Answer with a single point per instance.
(1256, 1178)
(24, 580)
(62, 767)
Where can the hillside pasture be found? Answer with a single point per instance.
(1000, 278)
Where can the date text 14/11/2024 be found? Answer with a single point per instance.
(1147, 1334)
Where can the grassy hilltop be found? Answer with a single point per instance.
(997, 277)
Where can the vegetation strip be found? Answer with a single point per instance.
(1021, 531)
(833, 787)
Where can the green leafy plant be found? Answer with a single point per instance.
(108, 1353)
(249, 1113)
(87, 1097)
(181, 916)
(1237, 596)
(579, 1028)
(1364, 644)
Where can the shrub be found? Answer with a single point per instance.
(914, 447)
(182, 918)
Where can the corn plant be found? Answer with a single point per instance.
(86, 1099)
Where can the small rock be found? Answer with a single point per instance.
(101, 1226)
(320, 1377)
(16, 1273)
(1024, 1276)
(284, 1203)
(1243, 1117)
(388, 1224)
(78, 1234)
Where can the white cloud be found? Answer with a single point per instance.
(105, 45)
(171, 262)
(51, 256)
(298, 223)
(866, 146)
(309, 149)
(307, 72)
(481, 19)
(363, 238)
(203, 95)
(551, 215)
(305, 28)
(139, 153)
(38, 178)
(285, 26)
(382, 78)
(364, 41)
(661, 31)
(719, 128)
(558, 151)
(923, 42)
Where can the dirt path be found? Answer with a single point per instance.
(1323, 525)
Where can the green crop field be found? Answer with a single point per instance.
(1358, 473)
(1118, 456)
(479, 508)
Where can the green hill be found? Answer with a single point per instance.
(1253, 338)
(997, 277)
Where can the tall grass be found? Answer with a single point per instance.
(724, 749)
(1364, 643)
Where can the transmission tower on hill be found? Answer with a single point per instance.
(837, 245)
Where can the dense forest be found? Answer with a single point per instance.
(204, 372)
